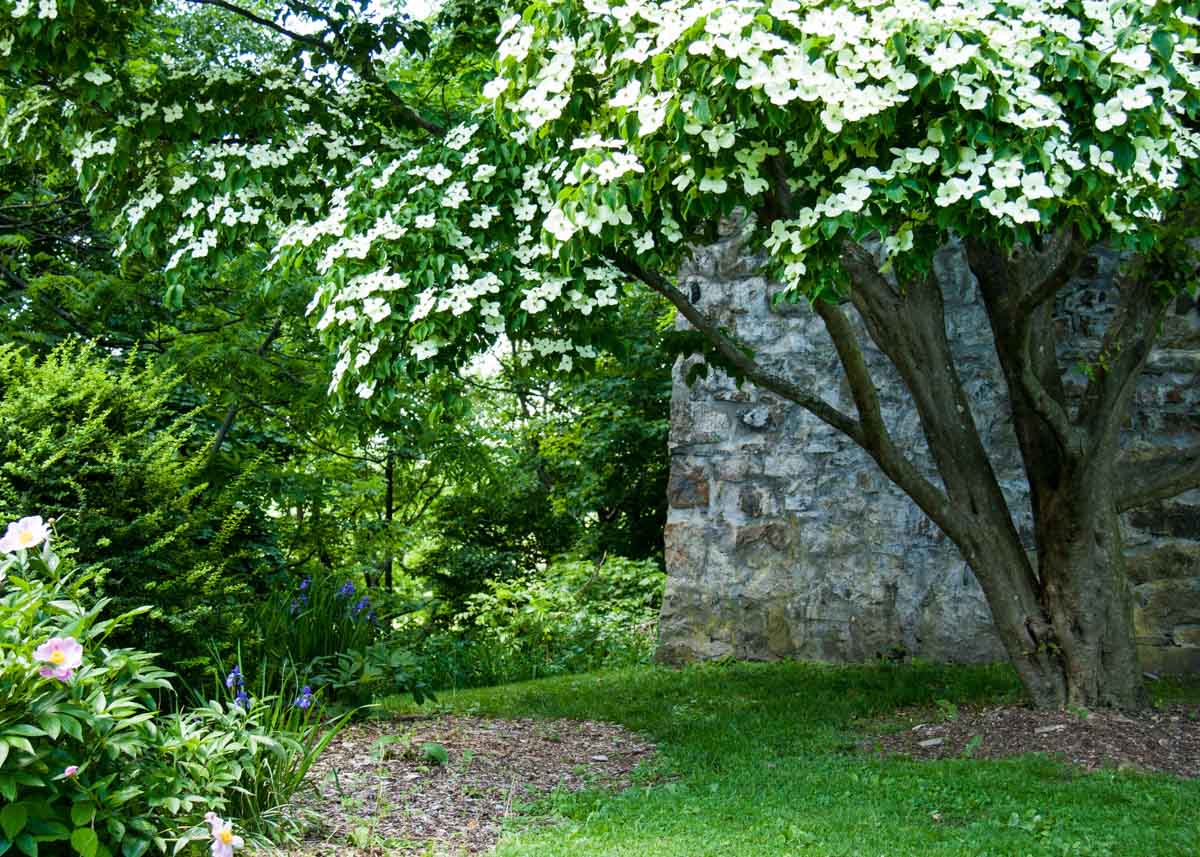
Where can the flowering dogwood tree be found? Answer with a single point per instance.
(855, 136)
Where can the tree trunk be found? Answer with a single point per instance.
(1086, 591)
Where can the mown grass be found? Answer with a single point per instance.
(760, 760)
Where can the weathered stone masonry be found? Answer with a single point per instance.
(784, 540)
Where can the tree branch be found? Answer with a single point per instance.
(877, 442)
(1165, 473)
(1127, 343)
(1004, 294)
(731, 352)
(261, 21)
(1061, 257)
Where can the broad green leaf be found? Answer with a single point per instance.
(82, 812)
(85, 841)
(13, 818)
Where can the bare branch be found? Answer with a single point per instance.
(1127, 343)
(261, 21)
(862, 387)
(1165, 473)
(728, 349)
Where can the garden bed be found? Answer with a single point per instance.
(444, 785)
(1166, 740)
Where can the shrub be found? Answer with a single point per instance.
(101, 447)
(573, 616)
(86, 758)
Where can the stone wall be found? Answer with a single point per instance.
(784, 540)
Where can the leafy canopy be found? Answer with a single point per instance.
(612, 137)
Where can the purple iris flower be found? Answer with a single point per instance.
(304, 700)
(242, 700)
(347, 590)
(234, 678)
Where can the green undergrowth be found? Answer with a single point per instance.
(762, 760)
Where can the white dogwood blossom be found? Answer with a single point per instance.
(615, 133)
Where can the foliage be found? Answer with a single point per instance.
(604, 439)
(360, 676)
(328, 634)
(572, 616)
(102, 448)
(855, 137)
(739, 746)
(316, 616)
(87, 758)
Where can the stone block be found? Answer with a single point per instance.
(1169, 660)
(687, 488)
(1164, 604)
(1169, 561)
(1171, 518)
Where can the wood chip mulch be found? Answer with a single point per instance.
(1166, 740)
(379, 779)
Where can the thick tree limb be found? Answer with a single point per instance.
(728, 349)
(1005, 294)
(877, 442)
(1042, 274)
(1127, 343)
(1164, 474)
(911, 330)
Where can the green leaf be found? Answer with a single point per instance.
(3, 753)
(1123, 154)
(85, 841)
(24, 729)
(27, 844)
(13, 818)
(49, 831)
(51, 725)
(1163, 45)
(19, 743)
(5, 845)
(134, 847)
(71, 726)
(82, 812)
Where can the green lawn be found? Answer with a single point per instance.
(759, 759)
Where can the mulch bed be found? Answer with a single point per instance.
(1166, 740)
(376, 778)
(377, 790)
